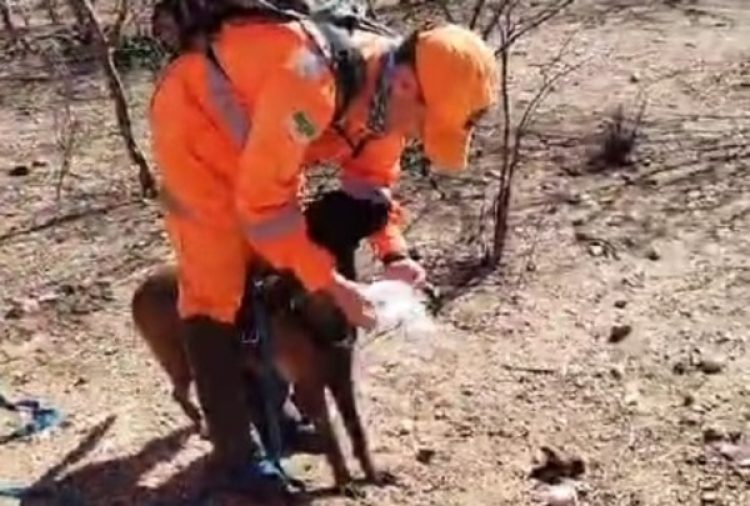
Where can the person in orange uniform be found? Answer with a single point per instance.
(237, 116)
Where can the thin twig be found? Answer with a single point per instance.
(534, 23)
(446, 10)
(147, 182)
(503, 7)
(530, 370)
(123, 9)
(7, 19)
(478, 7)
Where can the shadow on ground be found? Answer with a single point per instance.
(116, 481)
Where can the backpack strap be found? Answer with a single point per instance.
(346, 62)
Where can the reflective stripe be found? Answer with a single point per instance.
(364, 190)
(285, 221)
(225, 101)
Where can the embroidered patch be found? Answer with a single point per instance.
(303, 129)
(309, 65)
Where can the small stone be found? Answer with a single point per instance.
(563, 494)
(688, 400)
(14, 313)
(577, 222)
(711, 365)
(689, 420)
(38, 163)
(635, 78)
(713, 434)
(425, 455)
(619, 333)
(19, 171)
(620, 303)
(596, 250)
(709, 497)
(680, 368)
(572, 198)
(617, 372)
(652, 254)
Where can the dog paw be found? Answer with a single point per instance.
(382, 478)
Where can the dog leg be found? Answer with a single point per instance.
(342, 390)
(312, 401)
(181, 395)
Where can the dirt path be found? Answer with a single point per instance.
(523, 359)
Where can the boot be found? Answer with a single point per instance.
(213, 349)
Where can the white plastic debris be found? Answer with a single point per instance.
(399, 306)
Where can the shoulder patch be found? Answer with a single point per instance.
(309, 65)
(302, 128)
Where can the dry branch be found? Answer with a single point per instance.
(534, 22)
(104, 52)
(443, 4)
(51, 7)
(478, 7)
(122, 9)
(511, 28)
(7, 18)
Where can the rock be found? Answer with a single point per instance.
(737, 453)
(680, 367)
(689, 420)
(711, 365)
(635, 78)
(632, 394)
(554, 467)
(14, 313)
(709, 497)
(19, 171)
(652, 254)
(563, 494)
(688, 399)
(713, 434)
(620, 303)
(38, 163)
(618, 333)
(617, 372)
(425, 455)
(596, 250)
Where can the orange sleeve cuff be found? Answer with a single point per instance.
(390, 239)
(312, 265)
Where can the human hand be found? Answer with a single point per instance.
(407, 270)
(355, 306)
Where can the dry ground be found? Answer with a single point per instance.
(523, 358)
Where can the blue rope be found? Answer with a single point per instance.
(42, 418)
(60, 497)
(270, 391)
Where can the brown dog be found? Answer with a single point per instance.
(313, 347)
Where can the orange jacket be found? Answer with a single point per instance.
(287, 94)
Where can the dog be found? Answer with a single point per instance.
(313, 343)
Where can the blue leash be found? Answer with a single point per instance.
(271, 394)
(42, 418)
